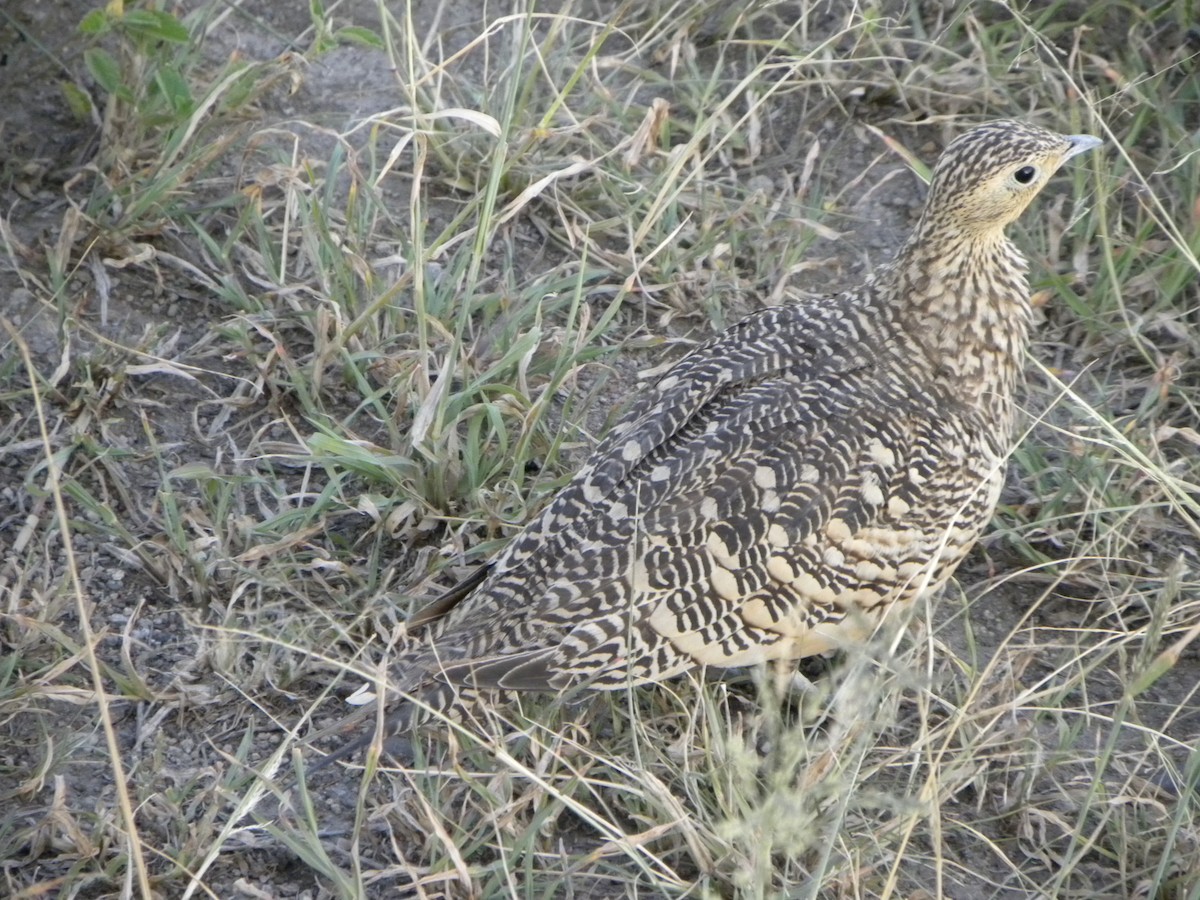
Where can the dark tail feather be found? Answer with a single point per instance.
(438, 699)
(435, 609)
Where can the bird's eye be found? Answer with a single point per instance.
(1025, 174)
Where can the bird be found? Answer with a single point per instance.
(782, 487)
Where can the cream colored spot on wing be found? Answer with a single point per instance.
(592, 494)
(888, 540)
(780, 569)
(809, 474)
(881, 454)
(664, 621)
(754, 612)
(898, 508)
(777, 536)
(724, 584)
(833, 635)
(660, 473)
(837, 530)
(856, 546)
(770, 502)
(708, 508)
(639, 577)
(916, 477)
(813, 591)
(669, 382)
(867, 570)
(871, 493)
(720, 551)
(834, 558)
(764, 477)
(695, 646)
(631, 451)
(618, 512)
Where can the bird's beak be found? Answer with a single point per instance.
(1080, 143)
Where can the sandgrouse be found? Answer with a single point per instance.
(784, 485)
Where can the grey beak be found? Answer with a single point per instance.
(1081, 143)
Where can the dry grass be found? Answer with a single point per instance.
(279, 368)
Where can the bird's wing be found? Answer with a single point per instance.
(759, 345)
(679, 530)
(807, 533)
(698, 390)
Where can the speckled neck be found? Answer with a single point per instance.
(965, 299)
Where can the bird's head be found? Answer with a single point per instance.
(984, 180)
